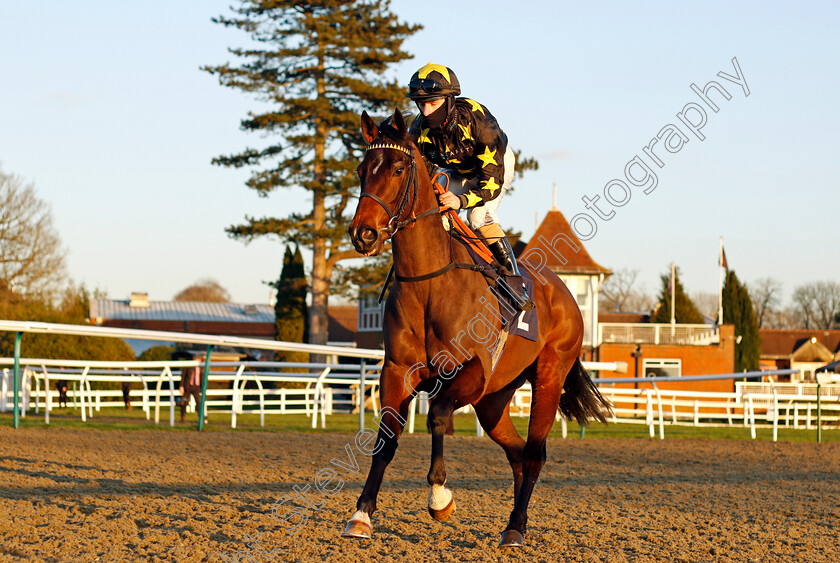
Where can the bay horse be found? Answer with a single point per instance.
(432, 343)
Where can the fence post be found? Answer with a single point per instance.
(204, 388)
(362, 396)
(47, 395)
(659, 407)
(16, 418)
(819, 413)
(775, 409)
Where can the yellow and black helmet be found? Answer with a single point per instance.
(432, 82)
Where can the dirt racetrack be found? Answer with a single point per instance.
(91, 495)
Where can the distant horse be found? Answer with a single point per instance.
(432, 343)
(61, 387)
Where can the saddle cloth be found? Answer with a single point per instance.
(518, 323)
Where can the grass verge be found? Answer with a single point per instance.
(135, 420)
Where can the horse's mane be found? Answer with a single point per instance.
(388, 130)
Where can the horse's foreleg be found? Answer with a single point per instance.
(441, 503)
(395, 399)
(464, 390)
(544, 403)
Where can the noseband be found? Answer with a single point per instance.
(407, 199)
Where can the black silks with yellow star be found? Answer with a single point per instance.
(474, 145)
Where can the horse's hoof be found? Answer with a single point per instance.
(444, 513)
(357, 529)
(512, 538)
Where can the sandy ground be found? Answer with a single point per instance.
(89, 495)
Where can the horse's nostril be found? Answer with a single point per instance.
(368, 235)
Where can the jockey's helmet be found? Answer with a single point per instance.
(432, 82)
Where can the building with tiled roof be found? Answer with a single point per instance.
(555, 246)
(805, 349)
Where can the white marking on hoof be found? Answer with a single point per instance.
(439, 497)
(359, 526)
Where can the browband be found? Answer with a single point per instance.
(389, 146)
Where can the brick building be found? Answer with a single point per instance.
(804, 349)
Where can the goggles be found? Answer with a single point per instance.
(425, 85)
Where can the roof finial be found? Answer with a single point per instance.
(554, 197)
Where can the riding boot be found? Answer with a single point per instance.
(503, 252)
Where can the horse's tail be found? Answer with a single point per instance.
(581, 400)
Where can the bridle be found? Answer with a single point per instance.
(408, 194)
(407, 199)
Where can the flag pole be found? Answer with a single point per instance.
(673, 292)
(720, 283)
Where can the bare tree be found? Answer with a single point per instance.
(206, 289)
(619, 293)
(765, 294)
(708, 303)
(31, 255)
(817, 304)
(615, 292)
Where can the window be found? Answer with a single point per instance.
(662, 368)
(370, 314)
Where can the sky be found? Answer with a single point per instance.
(105, 109)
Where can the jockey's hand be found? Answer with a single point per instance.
(450, 200)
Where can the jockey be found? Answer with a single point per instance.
(462, 137)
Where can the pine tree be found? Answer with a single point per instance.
(290, 308)
(685, 311)
(319, 64)
(738, 311)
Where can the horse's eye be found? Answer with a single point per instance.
(399, 170)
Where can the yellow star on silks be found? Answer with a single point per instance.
(453, 161)
(431, 67)
(489, 157)
(465, 131)
(472, 199)
(475, 106)
(424, 136)
(492, 186)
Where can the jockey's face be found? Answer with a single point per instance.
(428, 107)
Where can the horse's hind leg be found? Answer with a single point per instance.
(547, 385)
(493, 412)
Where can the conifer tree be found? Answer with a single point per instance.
(738, 311)
(290, 308)
(685, 311)
(318, 64)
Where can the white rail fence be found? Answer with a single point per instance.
(320, 389)
(233, 387)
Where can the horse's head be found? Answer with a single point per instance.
(388, 184)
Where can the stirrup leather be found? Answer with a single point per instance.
(503, 253)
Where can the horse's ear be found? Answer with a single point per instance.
(369, 129)
(399, 121)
